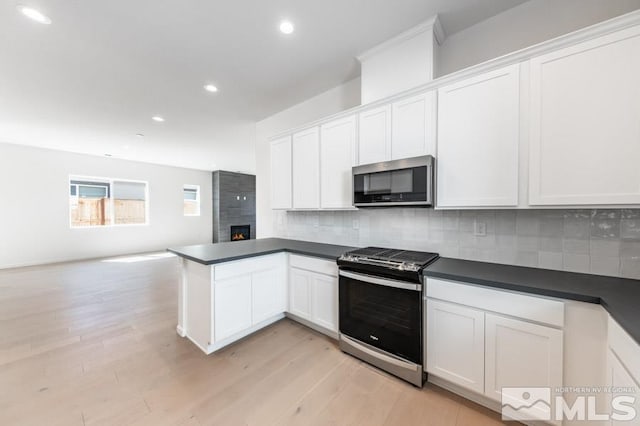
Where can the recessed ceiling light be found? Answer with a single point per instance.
(34, 14)
(210, 88)
(157, 118)
(125, 146)
(107, 155)
(286, 27)
(140, 135)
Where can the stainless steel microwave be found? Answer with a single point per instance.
(406, 182)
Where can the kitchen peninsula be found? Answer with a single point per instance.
(229, 290)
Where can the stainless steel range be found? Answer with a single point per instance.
(381, 308)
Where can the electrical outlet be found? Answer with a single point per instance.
(479, 229)
(356, 224)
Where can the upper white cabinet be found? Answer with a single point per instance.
(306, 169)
(281, 173)
(337, 156)
(413, 126)
(374, 141)
(478, 139)
(585, 123)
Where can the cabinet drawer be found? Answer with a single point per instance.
(533, 308)
(313, 264)
(248, 266)
(625, 348)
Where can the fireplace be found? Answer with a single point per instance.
(240, 232)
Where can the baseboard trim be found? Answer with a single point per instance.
(316, 327)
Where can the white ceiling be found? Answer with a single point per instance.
(91, 80)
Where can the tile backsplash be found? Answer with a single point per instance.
(603, 242)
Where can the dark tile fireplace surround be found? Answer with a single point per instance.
(234, 206)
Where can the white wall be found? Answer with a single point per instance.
(524, 25)
(335, 100)
(34, 211)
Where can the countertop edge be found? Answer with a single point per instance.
(516, 287)
(254, 254)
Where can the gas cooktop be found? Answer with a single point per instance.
(394, 263)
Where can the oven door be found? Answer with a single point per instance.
(384, 313)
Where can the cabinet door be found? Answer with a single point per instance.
(455, 344)
(232, 301)
(585, 136)
(337, 146)
(306, 169)
(300, 287)
(281, 173)
(413, 128)
(374, 141)
(620, 379)
(268, 293)
(324, 300)
(521, 354)
(478, 137)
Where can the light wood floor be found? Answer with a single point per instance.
(94, 342)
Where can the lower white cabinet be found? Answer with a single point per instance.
(475, 342)
(313, 296)
(324, 299)
(620, 379)
(455, 344)
(247, 293)
(300, 293)
(232, 306)
(269, 294)
(520, 354)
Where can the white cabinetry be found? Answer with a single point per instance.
(401, 130)
(472, 343)
(585, 137)
(232, 306)
(269, 293)
(620, 379)
(623, 370)
(324, 301)
(520, 354)
(247, 294)
(413, 126)
(337, 156)
(300, 283)
(455, 344)
(306, 169)
(281, 173)
(374, 141)
(313, 291)
(478, 139)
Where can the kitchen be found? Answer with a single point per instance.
(461, 241)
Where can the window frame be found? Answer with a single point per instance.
(197, 200)
(110, 181)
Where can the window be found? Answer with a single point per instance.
(191, 196)
(106, 202)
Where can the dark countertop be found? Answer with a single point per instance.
(619, 296)
(209, 254)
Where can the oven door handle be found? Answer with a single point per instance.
(378, 355)
(381, 281)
